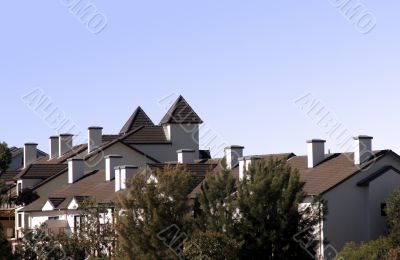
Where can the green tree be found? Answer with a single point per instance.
(377, 249)
(5, 157)
(38, 244)
(5, 248)
(26, 197)
(213, 245)
(393, 212)
(263, 213)
(95, 237)
(154, 219)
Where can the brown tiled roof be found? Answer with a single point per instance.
(335, 169)
(8, 175)
(138, 118)
(109, 138)
(41, 171)
(181, 113)
(91, 185)
(147, 135)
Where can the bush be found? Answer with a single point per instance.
(377, 249)
(212, 245)
(394, 254)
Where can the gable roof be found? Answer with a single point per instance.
(181, 113)
(334, 170)
(138, 118)
(147, 135)
(92, 184)
(365, 182)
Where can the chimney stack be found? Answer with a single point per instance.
(112, 161)
(65, 144)
(30, 153)
(123, 174)
(245, 164)
(54, 147)
(76, 169)
(232, 155)
(95, 138)
(363, 149)
(316, 152)
(186, 156)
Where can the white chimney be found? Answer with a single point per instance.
(112, 161)
(186, 156)
(54, 147)
(315, 152)
(127, 172)
(76, 169)
(30, 153)
(123, 174)
(232, 155)
(95, 138)
(363, 149)
(245, 164)
(65, 144)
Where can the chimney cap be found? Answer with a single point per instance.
(128, 167)
(185, 151)
(360, 137)
(66, 134)
(53, 137)
(251, 157)
(31, 144)
(234, 147)
(316, 141)
(113, 156)
(95, 128)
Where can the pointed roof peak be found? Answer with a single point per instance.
(181, 113)
(137, 119)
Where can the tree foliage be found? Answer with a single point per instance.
(393, 212)
(95, 236)
(5, 157)
(264, 214)
(26, 197)
(154, 219)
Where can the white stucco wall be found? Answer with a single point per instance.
(379, 190)
(348, 206)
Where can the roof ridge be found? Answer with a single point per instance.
(185, 114)
(138, 118)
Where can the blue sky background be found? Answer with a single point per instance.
(240, 64)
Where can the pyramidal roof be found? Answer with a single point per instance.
(181, 113)
(138, 118)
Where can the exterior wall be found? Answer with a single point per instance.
(379, 190)
(181, 137)
(17, 161)
(130, 157)
(349, 210)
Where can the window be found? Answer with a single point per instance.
(19, 188)
(19, 220)
(54, 218)
(79, 221)
(383, 210)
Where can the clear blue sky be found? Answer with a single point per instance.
(240, 64)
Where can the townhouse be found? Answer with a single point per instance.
(354, 184)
